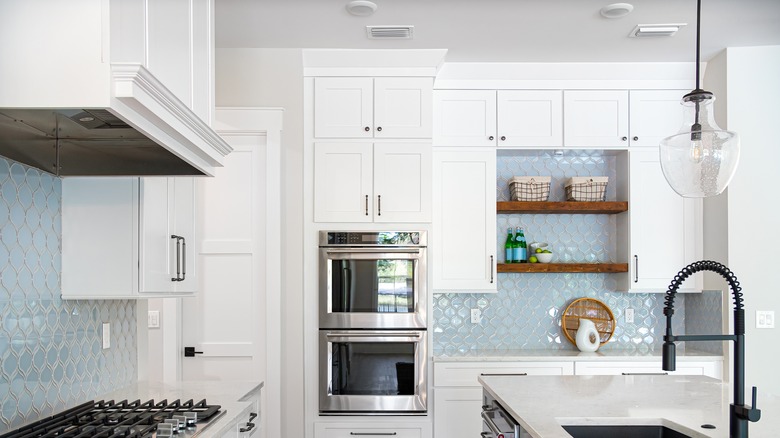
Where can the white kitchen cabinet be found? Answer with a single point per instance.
(665, 228)
(595, 118)
(503, 118)
(361, 107)
(654, 115)
(127, 237)
(401, 429)
(710, 368)
(458, 394)
(365, 182)
(463, 242)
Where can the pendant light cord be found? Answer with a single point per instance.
(698, 37)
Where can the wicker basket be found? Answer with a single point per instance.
(586, 188)
(529, 188)
(592, 309)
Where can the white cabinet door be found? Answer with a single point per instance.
(343, 189)
(464, 221)
(403, 107)
(665, 228)
(464, 118)
(595, 118)
(343, 107)
(530, 118)
(402, 182)
(373, 428)
(456, 412)
(654, 114)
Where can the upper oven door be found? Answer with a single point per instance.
(372, 288)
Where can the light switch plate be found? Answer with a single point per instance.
(765, 319)
(476, 316)
(153, 319)
(629, 316)
(106, 335)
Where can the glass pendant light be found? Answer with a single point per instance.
(701, 159)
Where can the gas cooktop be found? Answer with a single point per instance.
(104, 419)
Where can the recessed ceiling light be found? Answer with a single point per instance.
(616, 10)
(655, 30)
(361, 8)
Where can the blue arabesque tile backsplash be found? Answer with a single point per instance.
(525, 313)
(51, 355)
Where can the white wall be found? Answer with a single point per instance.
(274, 78)
(753, 93)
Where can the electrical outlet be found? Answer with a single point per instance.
(765, 319)
(153, 319)
(629, 316)
(106, 335)
(476, 316)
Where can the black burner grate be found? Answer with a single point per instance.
(109, 419)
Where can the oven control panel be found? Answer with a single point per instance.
(372, 238)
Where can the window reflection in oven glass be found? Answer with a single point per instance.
(375, 286)
(372, 368)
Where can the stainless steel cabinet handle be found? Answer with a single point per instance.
(492, 265)
(374, 335)
(502, 374)
(503, 138)
(183, 258)
(372, 251)
(373, 433)
(366, 205)
(379, 205)
(179, 240)
(636, 268)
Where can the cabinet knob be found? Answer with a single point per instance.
(379, 128)
(503, 138)
(635, 138)
(366, 129)
(624, 138)
(491, 138)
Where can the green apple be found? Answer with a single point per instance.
(532, 259)
(538, 250)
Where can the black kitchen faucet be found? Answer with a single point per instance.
(740, 413)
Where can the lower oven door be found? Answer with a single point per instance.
(373, 372)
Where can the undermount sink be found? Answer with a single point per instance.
(622, 431)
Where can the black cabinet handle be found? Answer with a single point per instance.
(190, 352)
(636, 268)
(491, 269)
(366, 129)
(366, 205)
(635, 138)
(183, 258)
(379, 128)
(179, 240)
(624, 138)
(503, 138)
(373, 433)
(379, 205)
(491, 138)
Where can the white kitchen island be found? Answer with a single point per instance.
(542, 404)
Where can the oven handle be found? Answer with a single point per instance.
(371, 250)
(490, 424)
(375, 335)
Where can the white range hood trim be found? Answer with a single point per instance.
(146, 104)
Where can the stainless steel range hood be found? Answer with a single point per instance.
(77, 97)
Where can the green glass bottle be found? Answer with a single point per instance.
(508, 246)
(521, 255)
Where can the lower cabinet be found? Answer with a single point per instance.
(457, 393)
(402, 429)
(709, 368)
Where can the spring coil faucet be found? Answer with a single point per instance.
(740, 413)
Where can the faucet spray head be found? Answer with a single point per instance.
(669, 356)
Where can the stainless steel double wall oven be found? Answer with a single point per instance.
(373, 323)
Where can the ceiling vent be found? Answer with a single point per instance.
(390, 32)
(655, 30)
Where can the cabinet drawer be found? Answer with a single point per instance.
(466, 373)
(688, 368)
(371, 430)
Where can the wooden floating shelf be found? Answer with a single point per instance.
(568, 207)
(562, 267)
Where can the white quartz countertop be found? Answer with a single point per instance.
(553, 355)
(541, 404)
(233, 397)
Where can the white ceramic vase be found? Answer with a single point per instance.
(588, 338)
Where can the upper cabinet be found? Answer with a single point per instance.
(361, 107)
(504, 118)
(365, 182)
(654, 115)
(665, 231)
(595, 118)
(128, 237)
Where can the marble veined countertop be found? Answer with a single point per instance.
(557, 355)
(541, 404)
(233, 397)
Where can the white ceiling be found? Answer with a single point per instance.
(503, 30)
